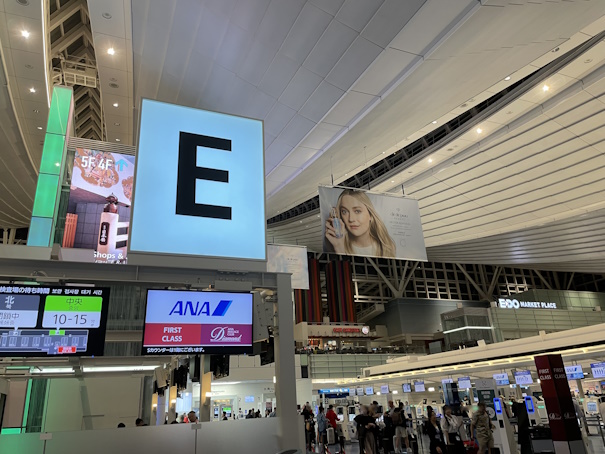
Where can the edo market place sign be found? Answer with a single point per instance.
(507, 303)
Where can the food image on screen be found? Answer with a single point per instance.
(180, 321)
(48, 321)
(98, 212)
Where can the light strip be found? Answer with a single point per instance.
(118, 368)
(51, 370)
(44, 52)
(466, 327)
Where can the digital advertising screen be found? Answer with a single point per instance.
(464, 383)
(181, 321)
(574, 372)
(407, 388)
(199, 184)
(598, 370)
(501, 379)
(523, 377)
(52, 321)
(419, 386)
(98, 211)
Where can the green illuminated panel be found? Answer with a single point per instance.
(58, 116)
(39, 232)
(52, 154)
(10, 431)
(46, 195)
(56, 332)
(71, 303)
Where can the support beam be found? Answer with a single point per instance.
(402, 280)
(409, 277)
(492, 285)
(11, 235)
(384, 278)
(473, 283)
(573, 273)
(548, 286)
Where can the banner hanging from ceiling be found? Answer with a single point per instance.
(356, 222)
(98, 212)
(289, 259)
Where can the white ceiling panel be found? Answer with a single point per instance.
(278, 75)
(388, 20)
(321, 101)
(353, 63)
(296, 130)
(255, 62)
(349, 107)
(302, 38)
(388, 67)
(331, 46)
(300, 88)
(357, 13)
(299, 157)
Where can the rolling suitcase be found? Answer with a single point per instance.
(330, 436)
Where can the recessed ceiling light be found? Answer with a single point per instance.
(40, 128)
(392, 181)
(383, 152)
(29, 67)
(116, 124)
(507, 78)
(115, 104)
(32, 90)
(479, 130)
(113, 85)
(111, 51)
(430, 160)
(117, 140)
(36, 111)
(556, 49)
(545, 88)
(106, 16)
(25, 33)
(434, 122)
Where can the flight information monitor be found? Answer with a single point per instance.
(52, 321)
(182, 321)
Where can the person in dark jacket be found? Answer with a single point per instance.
(366, 425)
(433, 430)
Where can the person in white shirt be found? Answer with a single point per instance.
(450, 424)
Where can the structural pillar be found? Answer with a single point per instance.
(291, 433)
(4, 236)
(205, 388)
(11, 236)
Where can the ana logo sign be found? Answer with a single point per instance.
(507, 303)
(188, 308)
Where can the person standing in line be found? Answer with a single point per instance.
(139, 422)
(401, 430)
(435, 434)
(482, 423)
(366, 424)
(322, 425)
(331, 416)
(192, 417)
(450, 424)
(225, 416)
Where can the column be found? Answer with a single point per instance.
(205, 388)
(290, 424)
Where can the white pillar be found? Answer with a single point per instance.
(11, 236)
(291, 434)
(4, 236)
(161, 409)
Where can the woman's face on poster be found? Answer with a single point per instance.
(355, 215)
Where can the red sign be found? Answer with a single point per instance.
(557, 397)
(66, 349)
(346, 330)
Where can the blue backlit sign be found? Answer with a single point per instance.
(199, 186)
(574, 372)
(529, 405)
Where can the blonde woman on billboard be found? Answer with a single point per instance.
(354, 227)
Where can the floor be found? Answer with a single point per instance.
(595, 443)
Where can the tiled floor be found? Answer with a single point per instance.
(595, 442)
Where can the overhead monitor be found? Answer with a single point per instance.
(360, 391)
(501, 379)
(523, 377)
(384, 389)
(464, 382)
(52, 321)
(447, 380)
(407, 388)
(190, 322)
(419, 386)
(598, 370)
(574, 372)
(351, 392)
(369, 390)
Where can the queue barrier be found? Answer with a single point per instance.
(252, 436)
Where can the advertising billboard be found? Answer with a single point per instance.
(289, 259)
(523, 377)
(98, 211)
(357, 222)
(181, 321)
(200, 188)
(52, 321)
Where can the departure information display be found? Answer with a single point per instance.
(49, 321)
(598, 370)
(181, 321)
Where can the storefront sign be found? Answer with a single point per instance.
(507, 303)
(559, 404)
(338, 331)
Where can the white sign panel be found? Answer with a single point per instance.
(356, 222)
(523, 377)
(464, 383)
(199, 185)
(289, 259)
(508, 303)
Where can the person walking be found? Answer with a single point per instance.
(450, 424)
(482, 423)
(436, 436)
(401, 430)
(365, 430)
(322, 425)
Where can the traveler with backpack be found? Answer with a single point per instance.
(400, 424)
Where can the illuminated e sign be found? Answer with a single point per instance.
(199, 187)
(508, 303)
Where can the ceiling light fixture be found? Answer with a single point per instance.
(115, 104)
(36, 111)
(29, 67)
(434, 122)
(32, 90)
(430, 160)
(507, 78)
(479, 130)
(116, 124)
(392, 181)
(106, 16)
(25, 33)
(118, 140)
(545, 88)
(40, 128)
(111, 51)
